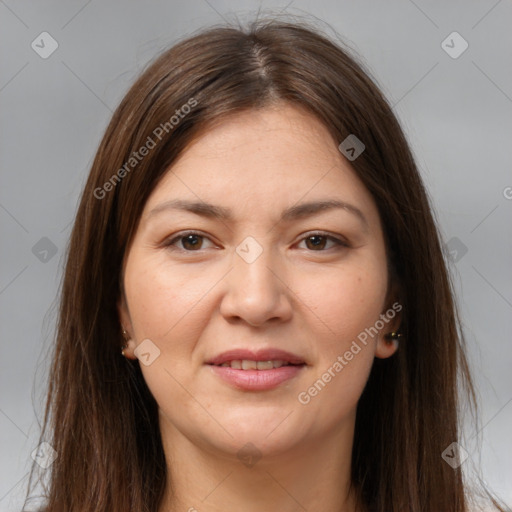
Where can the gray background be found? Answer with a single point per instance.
(455, 111)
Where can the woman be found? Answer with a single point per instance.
(256, 313)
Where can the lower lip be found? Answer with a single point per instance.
(256, 380)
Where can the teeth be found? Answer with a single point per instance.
(254, 365)
(249, 365)
(264, 365)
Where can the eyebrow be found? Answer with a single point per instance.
(298, 211)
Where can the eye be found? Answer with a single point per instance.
(191, 241)
(317, 241)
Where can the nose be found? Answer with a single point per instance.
(257, 292)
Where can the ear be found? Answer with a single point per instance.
(392, 318)
(125, 321)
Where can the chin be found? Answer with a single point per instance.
(250, 449)
(266, 436)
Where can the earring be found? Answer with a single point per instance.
(393, 337)
(125, 346)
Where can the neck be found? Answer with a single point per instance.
(315, 476)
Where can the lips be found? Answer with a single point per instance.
(245, 359)
(261, 370)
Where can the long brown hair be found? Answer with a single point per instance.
(100, 416)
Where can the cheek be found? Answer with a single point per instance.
(165, 307)
(162, 298)
(345, 301)
(342, 360)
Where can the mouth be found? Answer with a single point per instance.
(256, 371)
(247, 364)
(244, 359)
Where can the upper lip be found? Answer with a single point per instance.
(269, 354)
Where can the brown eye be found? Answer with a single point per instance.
(190, 242)
(318, 241)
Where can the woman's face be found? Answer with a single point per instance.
(266, 270)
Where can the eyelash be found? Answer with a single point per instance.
(338, 242)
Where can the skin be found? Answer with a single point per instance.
(196, 301)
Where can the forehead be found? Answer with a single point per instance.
(284, 132)
(262, 160)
